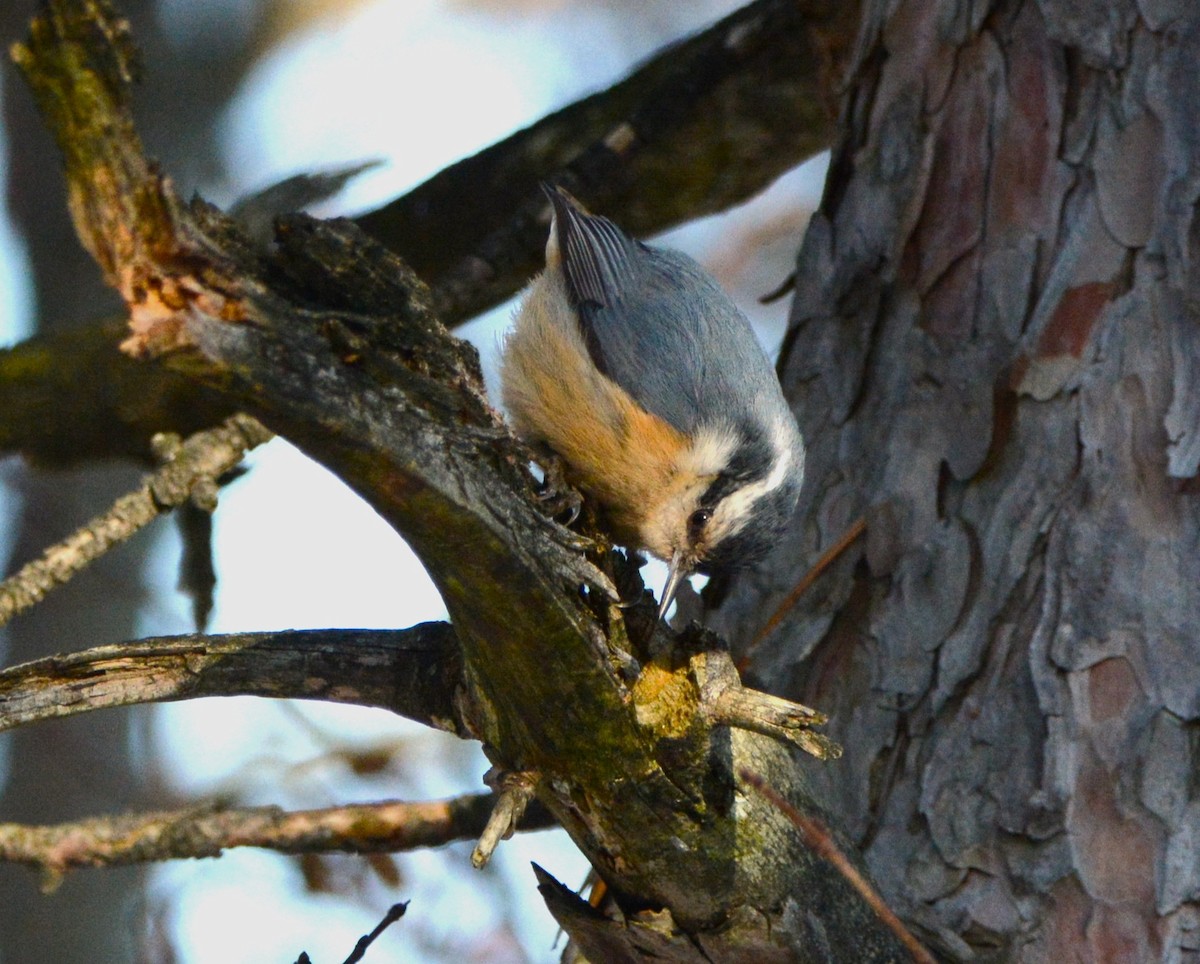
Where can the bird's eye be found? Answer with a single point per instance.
(697, 521)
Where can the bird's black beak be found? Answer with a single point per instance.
(677, 572)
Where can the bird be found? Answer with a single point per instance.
(630, 364)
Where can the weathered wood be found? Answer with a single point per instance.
(415, 672)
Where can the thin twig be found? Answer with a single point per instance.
(819, 840)
(384, 827)
(190, 472)
(826, 560)
(395, 912)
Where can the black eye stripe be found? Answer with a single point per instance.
(747, 543)
(752, 461)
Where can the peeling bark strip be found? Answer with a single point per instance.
(331, 340)
(996, 354)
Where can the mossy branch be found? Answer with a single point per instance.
(334, 342)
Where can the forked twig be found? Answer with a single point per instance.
(189, 473)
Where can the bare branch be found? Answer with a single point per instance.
(190, 473)
(415, 672)
(775, 717)
(72, 396)
(207, 831)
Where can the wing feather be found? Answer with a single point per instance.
(658, 325)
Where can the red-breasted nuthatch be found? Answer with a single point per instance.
(630, 364)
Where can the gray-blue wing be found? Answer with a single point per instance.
(658, 325)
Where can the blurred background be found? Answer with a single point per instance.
(238, 94)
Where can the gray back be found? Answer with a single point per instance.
(658, 325)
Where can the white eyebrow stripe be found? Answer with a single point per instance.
(735, 508)
(710, 451)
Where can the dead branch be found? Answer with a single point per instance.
(388, 826)
(514, 791)
(190, 473)
(704, 125)
(415, 672)
(73, 397)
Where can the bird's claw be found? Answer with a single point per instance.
(557, 494)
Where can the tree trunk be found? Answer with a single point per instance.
(994, 358)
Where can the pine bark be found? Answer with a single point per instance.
(994, 358)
